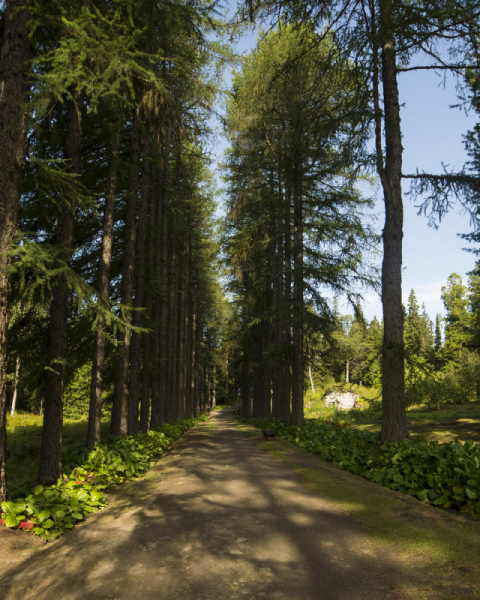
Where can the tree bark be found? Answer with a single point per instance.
(226, 378)
(197, 363)
(188, 356)
(278, 358)
(118, 424)
(163, 315)
(51, 456)
(297, 366)
(214, 386)
(311, 378)
(394, 415)
(287, 311)
(96, 390)
(182, 400)
(137, 319)
(15, 386)
(15, 62)
(172, 399)
(147, 339)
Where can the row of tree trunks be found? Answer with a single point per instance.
(277, 361)
(166, 358)
(15, 60)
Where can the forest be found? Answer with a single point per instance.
(131, 303)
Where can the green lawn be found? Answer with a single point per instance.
(452, 422)
(24, 444)
(445, 425)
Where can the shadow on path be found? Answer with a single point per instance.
(219, 519)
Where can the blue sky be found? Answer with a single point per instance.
(432, 134)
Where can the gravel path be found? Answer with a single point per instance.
(218, 518)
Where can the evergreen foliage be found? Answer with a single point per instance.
(294, 219)
(105, 73)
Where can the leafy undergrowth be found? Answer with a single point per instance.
(443, 475)
(50, 511)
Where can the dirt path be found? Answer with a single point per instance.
(217, 518)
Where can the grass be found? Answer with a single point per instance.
(434, 547)
(450, 423)
(24, 432)
(446, 425)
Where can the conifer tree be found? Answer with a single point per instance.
(94, 60)
(15, 63)
(294, 214)
(413, 334)
(457, 319)
(382, 36)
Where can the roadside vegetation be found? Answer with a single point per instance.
(445, 475)
(50, 511)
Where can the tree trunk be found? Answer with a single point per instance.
(311, 378)
(267, 373)
(278, 358)
(118, 425)
(287, 312)
(156, 417)
(197, 362)
(207, 402)
(181, 404)
(394, 415)
(172, 400)
(137, 319)
(226, 377)
(297, 367)
(51, 456)
(214, 386)
(15, 62)
(96, 390)
(159, 389)
(189, 357)
(347, 372)
(15, 386)
(147, 338)
(246, 383)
